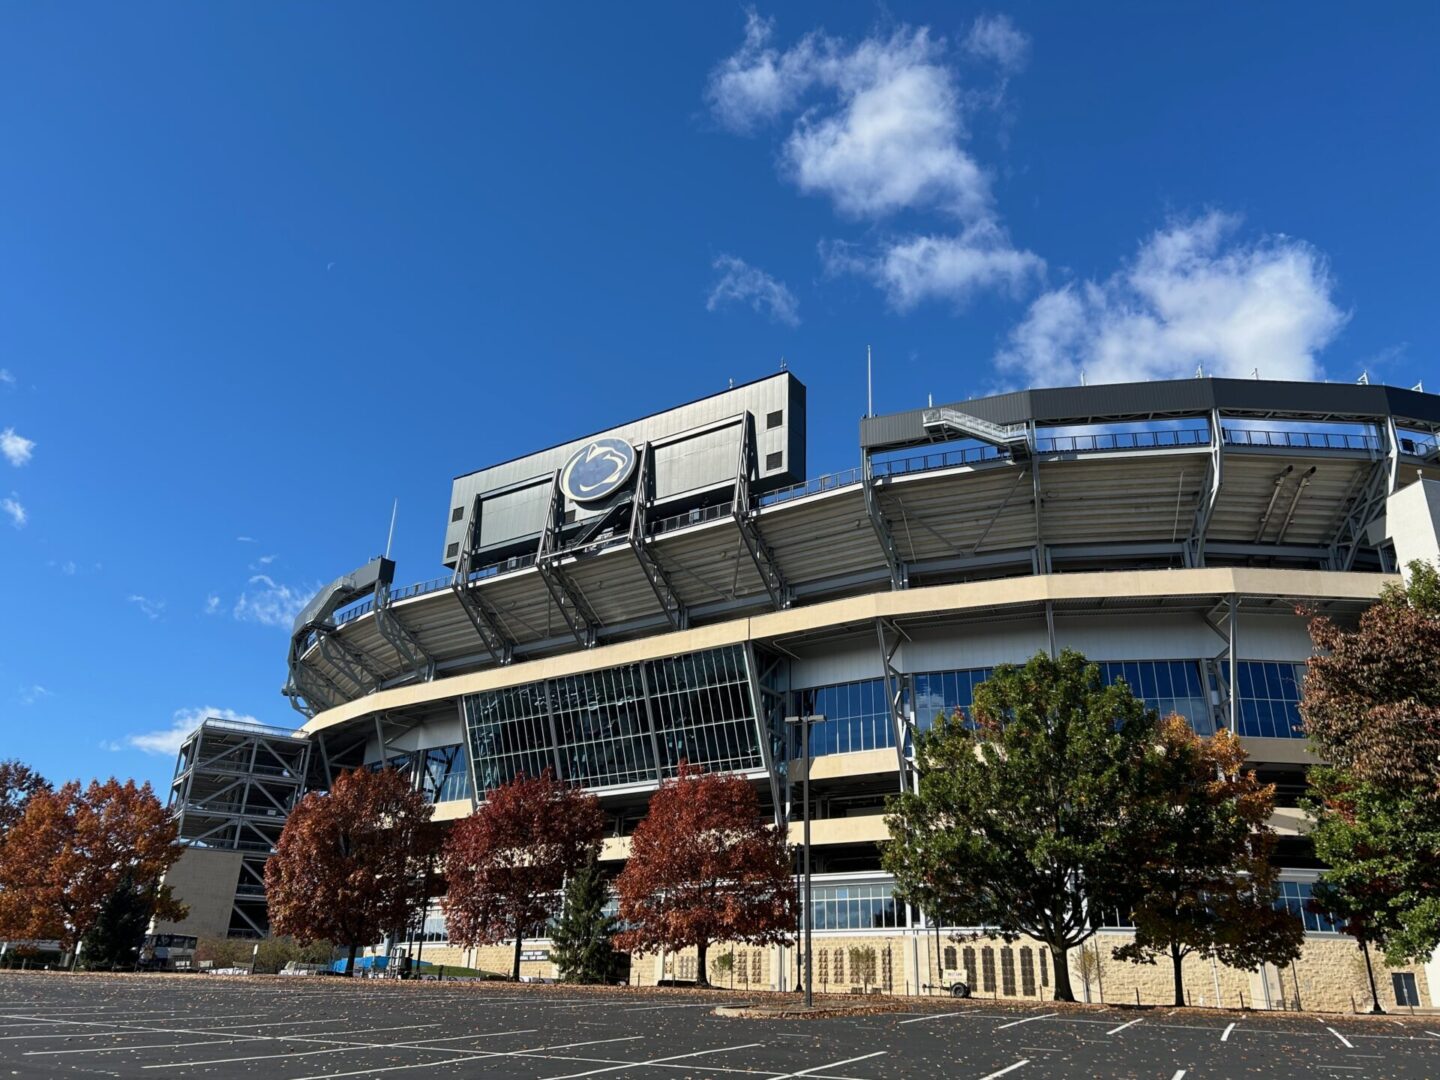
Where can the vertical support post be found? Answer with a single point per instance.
(809, 910)
(1050, 625)
(1232, 626)
(469, 751)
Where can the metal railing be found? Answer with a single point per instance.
(827, 482)
(946, 459)
(690, 517)
(1162, 439)
(248, 728)
(1300, 440)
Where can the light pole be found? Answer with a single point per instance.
(806, 910)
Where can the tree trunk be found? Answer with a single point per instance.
(350, 962)
(515, 972)
(701, 979)
(1178, 962)
(1375, 1006)
(1060, 955)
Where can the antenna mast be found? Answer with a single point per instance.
(869, 385)
(395, 509)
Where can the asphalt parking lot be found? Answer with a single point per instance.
(289, 1029)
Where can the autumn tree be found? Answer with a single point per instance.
(18, 782)
(353, 863)
(1028, 819)
(1207, 886)
(72, 849)
(1372, 711)
(506, 863)
(114, 940)
(705, 866)
(584, 952)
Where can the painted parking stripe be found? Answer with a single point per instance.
(652, 1061)
(831, 1065)
(1008, 1069)
(1342, 1038)
(348, 1048)
(1026, 1020)
(465, 1056)
(1179, 1075)
(124, 1049)
(1122, 1027)
(1225, 1036)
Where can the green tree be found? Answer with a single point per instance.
(582, 949)
(1029, 819)
(1207, 884)
(113, 940)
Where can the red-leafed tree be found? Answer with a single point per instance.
(73, 848)
(704, 866)
(506, 863)
(353, 863)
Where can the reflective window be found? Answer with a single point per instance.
(1269, 698)
(703, 711)
(444, 773)
(1167, 686)
(940, 693)
(604, 728)
(509, 734)
(855, 907)
(856, 718)
(1295, 898)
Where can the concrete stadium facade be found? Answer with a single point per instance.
(1173, 532)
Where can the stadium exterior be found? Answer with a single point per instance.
(676, 587)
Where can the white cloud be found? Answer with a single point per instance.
(29, 695)
(167, 740)
(272, 604)
(7, 378)
(1192, 296)
(741, 283)
(943, 267)
(244, 539)
(880, 129)
(16, 448)
(13, 507)
(212, 604)
(265, 560)
(995, 38)
(152, 609)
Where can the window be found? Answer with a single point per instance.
(774, 461)
(855, 907)
(940, 693)
(457, 513)
(1269, 698)
(444, 773)
(1167, 686)
(1406, 992)
(987, 969)
(951, 960)
(1007, 971)
(1294, 896)
(856, 718)
(774, 419)
(969, 957)
(1027, 971)
(452, 551)
(624, 725)
(1044, 968)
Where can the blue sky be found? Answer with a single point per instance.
(264, 268)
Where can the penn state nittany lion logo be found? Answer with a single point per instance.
(597, 469)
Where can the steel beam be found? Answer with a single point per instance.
(769, 705)
(567, 599)
(400, 637)
(665, 593)
(482, 616)
(1366, 506)
(1305, 479)
(744, 515)
(899, 575)
(895, 696)
(1214, 477)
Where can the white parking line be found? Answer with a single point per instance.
(1007, 1069)
(1225, 1036)
(830, 1065)
(348, 1048)
(1179, 1075)
(465, 1056)
(932, 1016)
(1026, 1020)
(1342, 1038)
(123, 1049)
(639, 1064)
(1122, 1027)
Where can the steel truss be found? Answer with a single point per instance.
(482, 616)
(234, 788)
(639, 540)
(770, 713)
(1368, 503)
(744, 514)
(398, 636)
(567, 598)
(1194, 550)
(899, 572)
(895, 699)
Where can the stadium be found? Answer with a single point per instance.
(676, 586)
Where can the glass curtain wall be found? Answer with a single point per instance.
(624, 725)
